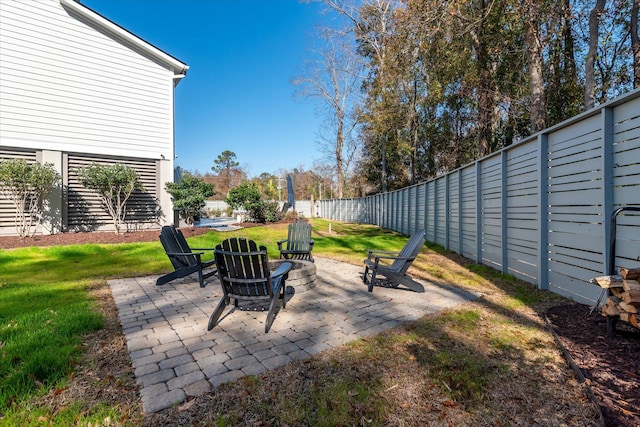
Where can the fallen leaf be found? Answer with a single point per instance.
(185, 406)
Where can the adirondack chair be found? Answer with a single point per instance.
(182, 257)
(298, 244)
(244, 274)
(394, 265)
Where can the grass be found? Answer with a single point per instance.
(459, 366)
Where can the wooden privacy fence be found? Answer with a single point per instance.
(539, 209)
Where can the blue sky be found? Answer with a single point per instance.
(237, 94)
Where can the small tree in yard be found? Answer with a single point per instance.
(26, 184)
(189, 196)
(114, 184)
(247, 195)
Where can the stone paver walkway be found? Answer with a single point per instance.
(175, 357)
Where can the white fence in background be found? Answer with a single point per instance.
(539, 209)
(303, 207)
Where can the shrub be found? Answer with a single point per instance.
(114, 184)
(26, 184)
(189, 196)
(247, 195)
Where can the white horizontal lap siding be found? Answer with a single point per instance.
(67, 86)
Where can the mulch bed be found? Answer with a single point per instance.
(610, 363)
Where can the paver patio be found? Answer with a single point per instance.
(175, 357)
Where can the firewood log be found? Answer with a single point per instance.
(606, 282)
(617, 292)
(631, 297)
(623, 306)
(631, 285)
(610, 308)
(630, 273)
(631, 318)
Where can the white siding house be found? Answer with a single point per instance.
(76, 88)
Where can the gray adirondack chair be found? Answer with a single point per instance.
(298, 244)
(394, 265)
(183, 259)
(245, 277)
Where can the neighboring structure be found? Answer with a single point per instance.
(76, 88)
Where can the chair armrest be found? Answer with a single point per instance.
(184, 253)
(282, 270)
(371, 253)
(401, 258)
(376, 251)
(203, 249)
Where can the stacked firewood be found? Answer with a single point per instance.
(623, 298)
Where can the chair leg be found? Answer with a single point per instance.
(200, 278)
(271, 314)
(366, 272)
(213, 320)
(279, 291)
(372, 281)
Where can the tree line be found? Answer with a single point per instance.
(416, 88)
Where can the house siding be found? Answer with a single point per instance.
(67, 86)
(74, 85)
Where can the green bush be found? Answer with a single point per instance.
(114, 184)
(26, 185)
(189, 196)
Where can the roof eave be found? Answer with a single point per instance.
(179, 68)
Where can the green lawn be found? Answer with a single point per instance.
(465, 356)
(45, 309)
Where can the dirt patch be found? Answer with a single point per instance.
(106, 237)
(610, 363)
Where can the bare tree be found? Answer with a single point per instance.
(590, 72)
(536, 14)
(370, 22)
(332, 77)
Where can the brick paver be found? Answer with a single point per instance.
(174, 355)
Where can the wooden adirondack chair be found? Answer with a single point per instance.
(182, 257)
(394, 265)
(244, 273)
(298, 244)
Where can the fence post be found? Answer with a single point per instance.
(478, 213)
(460, 216)
(504, 213)
(543, 206)
(607, 185)
(447, 210)
(426, 207)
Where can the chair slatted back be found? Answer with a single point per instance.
(243, 268)
(299, 236)
(173, 241)
(410, 250)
